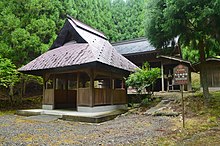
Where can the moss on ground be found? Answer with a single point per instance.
(7, 112)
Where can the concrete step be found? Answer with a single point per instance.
(43, 118)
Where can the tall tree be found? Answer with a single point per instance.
(196, 22)
(8, 76)
(128, 18)
(28, 28)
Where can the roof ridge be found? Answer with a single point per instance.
(129, 41)
(93, 30)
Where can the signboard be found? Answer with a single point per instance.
(181, 78)
(180, 75)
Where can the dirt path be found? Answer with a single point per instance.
(130, 129)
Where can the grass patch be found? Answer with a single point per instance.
(200, 120)
(7, 112)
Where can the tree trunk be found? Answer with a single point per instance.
(203, 72)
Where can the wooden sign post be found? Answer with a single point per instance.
(181, 78)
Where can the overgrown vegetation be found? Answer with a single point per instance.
(195, 81)
(144, 101)
(201, 122)
(6, 107)
(8, 76)
(143, 78)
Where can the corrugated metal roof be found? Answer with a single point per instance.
(96, 49)
(133, 46)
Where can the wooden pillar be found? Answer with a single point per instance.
(112, 91)
(91, 75)
(77, 89)
(126, 93)
(162, 77)
(189, 85)
(54, 87)
(122, 84)
(44, 88)
(212, 74)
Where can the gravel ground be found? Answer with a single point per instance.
(132, 129)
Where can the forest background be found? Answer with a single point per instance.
(29, 27)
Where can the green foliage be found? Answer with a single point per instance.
(8, 73)
(128, 18)
(28, 28)
(145, 102)
(195, 81)
(195, 22)
(143, 77)
(190, 54)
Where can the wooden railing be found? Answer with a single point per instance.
(83, 96)
(48, 96)
(65, 96)
(119, 96)
(102, 96)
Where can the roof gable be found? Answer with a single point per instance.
(86, 27)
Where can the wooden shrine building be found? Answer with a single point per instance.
(140, 50)
(213, 73)
(82, 71)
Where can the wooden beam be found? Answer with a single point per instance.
(107, 74)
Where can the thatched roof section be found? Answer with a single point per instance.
(79, 44)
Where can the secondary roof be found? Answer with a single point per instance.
(129, 47)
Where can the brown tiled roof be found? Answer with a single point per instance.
(96, 49)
